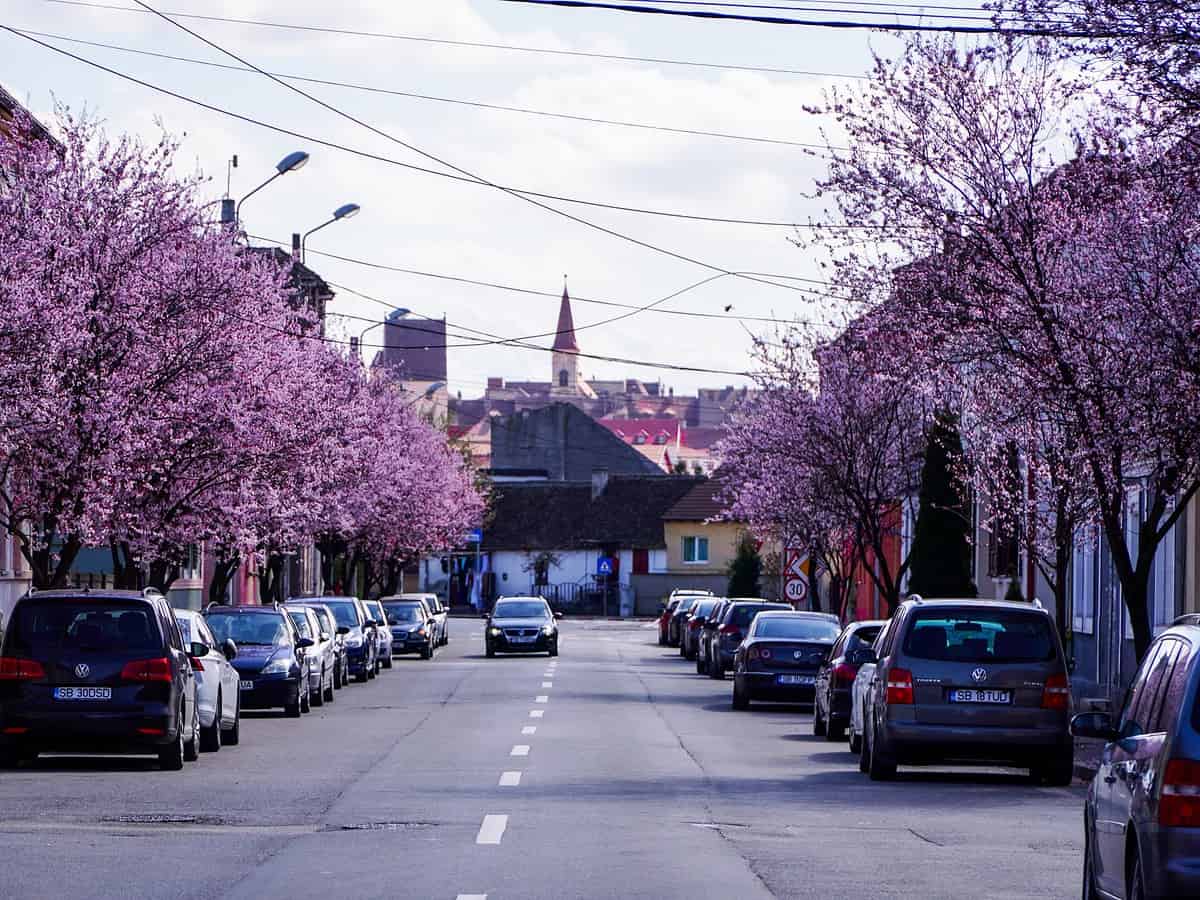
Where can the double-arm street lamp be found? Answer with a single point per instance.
(290, 163)
(347, 211)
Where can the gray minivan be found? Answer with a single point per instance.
(1142, 815)
(969, 681)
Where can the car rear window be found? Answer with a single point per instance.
(799, 628)
(703, 609)
(264, 629)
(862, 636)
(744, 615)
(91, 625)
(403, 613)
(982, 635)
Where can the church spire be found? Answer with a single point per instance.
(564, 339)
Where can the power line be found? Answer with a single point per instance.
(553, 210)
(457, 101)
(333, 145)
(482, 45)
(822, 9)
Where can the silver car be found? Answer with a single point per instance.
(437, 611)
(383, 634)
(217, 695)
(321, 658)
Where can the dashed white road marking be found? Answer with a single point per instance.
(547, 684)
(529, 729)
(492, 829)
(542, 698)
(510, 779)
(471, 897)
(520, 750)
(537, 713)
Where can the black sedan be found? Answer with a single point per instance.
(780, 657)
(831, 708)
(521, 625)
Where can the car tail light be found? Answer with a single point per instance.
(730, 629)
(151, 731)
(147, 670)
(844, 673)
(695, 623)
(1057, 692)
(14, 669)
(1179, 803)
(900, 687)
(14, 729)
(760, 653)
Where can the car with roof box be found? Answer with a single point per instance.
(780, 656)
(97, 671)
(969, 682)
(1142, 812)
(272, 662)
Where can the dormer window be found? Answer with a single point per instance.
(640, 438)
(660, 438)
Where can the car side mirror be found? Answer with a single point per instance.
(343, 629)
(229, 648)
(304, 643)
(1094, 725)
(484, 616)
(199, 648)
(558, 615)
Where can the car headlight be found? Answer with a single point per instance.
(279, 666)
(354, 641)
(494, 631)
(420, 632)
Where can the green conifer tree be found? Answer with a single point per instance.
(745, 570)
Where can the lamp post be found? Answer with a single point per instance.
(357, 343)
(290, 163)
(347, 211)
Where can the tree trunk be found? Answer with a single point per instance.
(163, 574)
(223, 573)
(1136, 593)
(1062, 603)
(270, 579)
(127, 574)
(48, 570)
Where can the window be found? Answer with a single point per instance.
(639, 438)
(980, 636)
(1139, 702)
(797, 629)
(660, 438)
(1085, 584)
(695, 549)
(564, 378)
(1162, 584)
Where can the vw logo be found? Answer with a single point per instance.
(797, 655)
(979, 675)
(83, 670)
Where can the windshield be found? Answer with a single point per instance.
(263, 629)
(744, 615)
(93, 625)
(301, 622)
(522, 609)
(375, 610)
(980, 636)
(403, 613)
(344, 611)
(798, 628)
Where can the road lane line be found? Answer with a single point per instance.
(541, 698)
(529, 729)
(492, 829)
(520, 750)
(471, 897)
(510, 779)
(537, 713)
(547, 684)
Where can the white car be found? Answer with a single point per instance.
(858, 694)
(217, 685)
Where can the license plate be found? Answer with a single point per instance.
(246, 685)
(83, 693)
(974, 695)
(797, 679)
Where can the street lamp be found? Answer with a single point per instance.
(347, 211)
(356, 344)
(289, 163)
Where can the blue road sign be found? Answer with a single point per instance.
(475, 536)
(604, 565)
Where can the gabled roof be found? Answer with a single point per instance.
(701, 503)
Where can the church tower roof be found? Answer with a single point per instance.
(564, 339)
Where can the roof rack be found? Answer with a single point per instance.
(1187, 619)
(916, 598)
(149, 592)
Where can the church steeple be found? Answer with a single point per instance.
(564, 339)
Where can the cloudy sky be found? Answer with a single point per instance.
(418, 221)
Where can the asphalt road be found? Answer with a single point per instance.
(617, 773)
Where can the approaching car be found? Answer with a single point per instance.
(780, 657)
(383, 634)
(437, 611)
(689, 637)
(360, 647)
(1141, 814)
(521, 625)
(412, 627)
(707, 631)
(271, 660)
(730, 630)
(97, 672)
(320, 655)
(831, 708)
(217, 682)
(969, 681)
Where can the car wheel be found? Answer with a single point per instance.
(488, 650)
(337, 677)
(662, 639)
(818, 722)
(427, 652)
(372, 670)
(864, 752)
(170, 758)
(699, 665)
(210, 738)
(329, 690)
(293, 709)
(880, 766)
(191, 750)
(554, 648)
(1136, 889)
(317, 697)
(855, 741)
(1089, 891)
(233, 736)
(740, 700)
(682, 648)
(716, 670)
(387, 660)
(305, 697)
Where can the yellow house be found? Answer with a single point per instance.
(699, 548)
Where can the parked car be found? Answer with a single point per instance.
(707, 631)
(664, 619)
(359, 639)
(320, 655)
(438, 612)
(272, 659)
(412, 626)
(217, 682)
(969, 681)
(835, 679)
(689, 637)
(858, 695)
(383, 634)
(96, 672)
(736, 619)
(329, 626)
(780, 656)
(684, 600)
(1143, 806)
(521, 625)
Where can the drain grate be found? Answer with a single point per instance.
(376, 826)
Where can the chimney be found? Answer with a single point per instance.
(355, 352)
(599, 481)
(228, 208)
(296, 247)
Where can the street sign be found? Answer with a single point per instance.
(605, 565)
(475, 536)
(795, 577)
